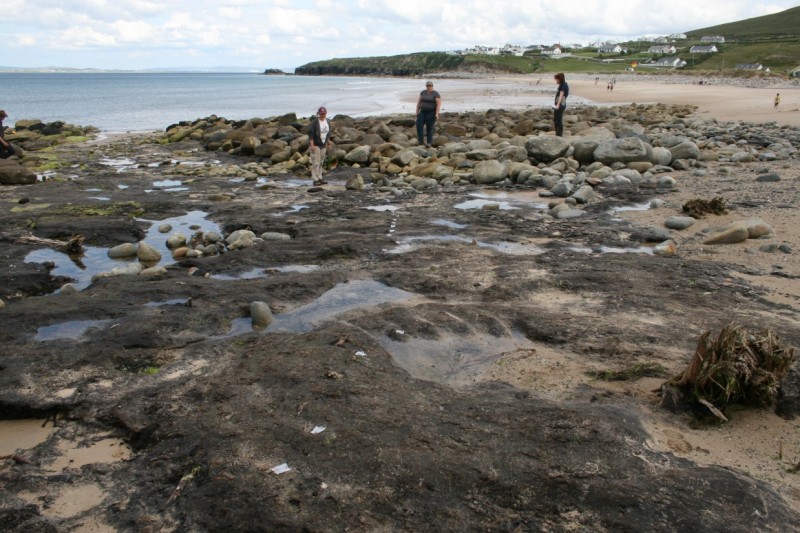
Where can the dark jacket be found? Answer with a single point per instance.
(314, 133)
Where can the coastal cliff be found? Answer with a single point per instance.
(418, 64)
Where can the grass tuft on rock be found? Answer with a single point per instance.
(738, 367)
(638, 371)
(699, 208)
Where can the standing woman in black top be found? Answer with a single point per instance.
(560, 104)
(429, 104)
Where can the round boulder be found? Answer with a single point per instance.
(546, 148)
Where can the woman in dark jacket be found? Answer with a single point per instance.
(319, 140)
(560, 104)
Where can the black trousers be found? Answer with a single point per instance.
(558, 120)
(6, 152)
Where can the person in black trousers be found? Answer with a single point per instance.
(6, 150)
(429, 104)
(560, 104)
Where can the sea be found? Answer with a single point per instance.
(133, 102)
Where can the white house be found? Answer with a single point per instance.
(552, 50)
(671, 62)
(678, 36)
(749, 66)
(662, 49)
(708, 49)
(712, 39)
(613, 49)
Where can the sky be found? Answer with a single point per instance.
(142, 34)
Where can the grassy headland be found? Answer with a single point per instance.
(772, 41)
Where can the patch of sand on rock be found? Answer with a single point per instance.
(107, 450)
(23, 434)
(755, 441)
(67, 501)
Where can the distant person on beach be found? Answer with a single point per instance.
(319, 139)
(560, 104)
(429, 104)
(6, 150)
(777, 100)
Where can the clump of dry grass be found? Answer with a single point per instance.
(698, 208)
(738, 367)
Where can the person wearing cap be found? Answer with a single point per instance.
(429, 104)
(319, 140)
(6, 150)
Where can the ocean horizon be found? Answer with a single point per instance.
(135, 102)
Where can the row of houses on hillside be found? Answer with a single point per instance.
(516, 50)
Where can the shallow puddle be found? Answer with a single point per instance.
(452, 360)
(121, 163)
(410, 244)
(72, 330)
(448, 224)
(520, 199)
(176, 301)
(382, 208)
(166, 184)
(264, 272)
(479, 204)
(23, 435)
(635, 207)
(95, 260)
(101, 198)
(344, 297)
(105, 451)
(294, 209)
(287, 183)
(611, 250)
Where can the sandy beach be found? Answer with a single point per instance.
(724, 100)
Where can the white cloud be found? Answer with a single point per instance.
(286, 33)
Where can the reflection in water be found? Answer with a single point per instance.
(72, 330)
(409, 244)
(344, 297)
(95, 260)
(448, 223)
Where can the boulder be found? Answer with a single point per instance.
(584, 194)
(123, 251)
(241, 238)
(355, 183)
(359, 154)
(584, 150)
(260, 314)
(546, 148)
(623, 151)
(12, 173)
(679, 222)
(404, 157)
(757, 228)
(275, 236)
(736, 232)
(488, 172)
(147, 254)
(661, 156)
(685, 150)
(249, 144)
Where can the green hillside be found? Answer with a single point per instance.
(420, 64)
(777, 26)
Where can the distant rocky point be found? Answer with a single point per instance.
(274, 72)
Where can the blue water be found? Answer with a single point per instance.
(116, 102)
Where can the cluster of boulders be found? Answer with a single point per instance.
(31, 136)
(199, 244)
(636, 144)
